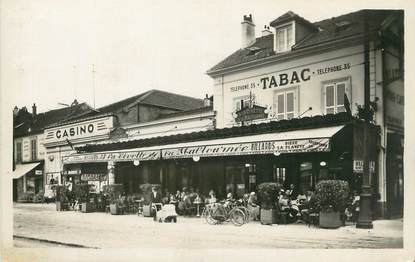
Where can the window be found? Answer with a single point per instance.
(284, 38)
(334, 97)
(279, 174)
(306, 176)
(285, 105)
(33, 149)
(18, 152)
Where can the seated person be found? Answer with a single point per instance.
(301, 198)
(286, 206)
(229, 200)
(211, 198)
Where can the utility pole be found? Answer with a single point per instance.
(93, 83)
(365, 214)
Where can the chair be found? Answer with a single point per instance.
(313, 218)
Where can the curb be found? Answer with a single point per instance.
(53, 242)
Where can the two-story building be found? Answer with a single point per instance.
(288, 108)
(154, 113)
(28, 139)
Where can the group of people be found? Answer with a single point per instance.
(297, 206)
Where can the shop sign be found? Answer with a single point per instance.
(81, 130)
(72, 172)
(251, 113)
(250, 148)
(278, 79)
(358, 166)
(93, 177)
(394, 94)
(38, 172)
(113, 156)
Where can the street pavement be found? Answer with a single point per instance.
(40, 225)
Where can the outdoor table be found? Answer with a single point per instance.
(139, 206)
(197, 202)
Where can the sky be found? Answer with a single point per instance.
(51, 46)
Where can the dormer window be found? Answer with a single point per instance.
(284, 38)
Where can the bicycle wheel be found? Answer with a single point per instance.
(237, 217)
(246, 213)
(209, 217)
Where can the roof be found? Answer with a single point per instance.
(36, 124)
(273, 126)
(156, 98)
(187, 112)
(289, 16)
(328, 30)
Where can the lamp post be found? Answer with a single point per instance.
(365, 213)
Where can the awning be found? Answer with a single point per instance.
(23, 169)
(298, 141)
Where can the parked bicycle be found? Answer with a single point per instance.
(218, 213)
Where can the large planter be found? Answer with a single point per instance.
(147, 211)
(87, 207)
(267, 216)
(330, 219)
(115, 209)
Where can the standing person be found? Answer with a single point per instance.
(155, 198)
(253, 206)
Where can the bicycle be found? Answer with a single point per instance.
(219, 212)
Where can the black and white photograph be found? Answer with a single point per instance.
(194, 126)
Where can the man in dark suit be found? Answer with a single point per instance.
(155, 198)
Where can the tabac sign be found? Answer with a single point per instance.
(112, 156)
(250, 148)
(297, 76)
(82, 131)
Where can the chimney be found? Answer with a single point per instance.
(266, 31)
(34, 109)
(206, 101)
(248, 31)
(15, 111)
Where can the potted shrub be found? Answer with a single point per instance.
(268, 193)
(61, 197)
(331, 199)
(82, 195)
(113, 193)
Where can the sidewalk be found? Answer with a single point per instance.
(102, 230)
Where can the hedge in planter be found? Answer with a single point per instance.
(82, 195)
(114, 192)
(268, 193)
(61, 197)
(331, 199)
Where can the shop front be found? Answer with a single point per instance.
(232, 160)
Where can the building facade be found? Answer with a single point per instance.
(304, 69)
(151, 114)
(28, 145)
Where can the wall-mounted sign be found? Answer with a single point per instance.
(250, 148)
(358, 166)
(288, 78)
(112, 156)
(394, 94)
(38, 172)
(252, 179)
(93, 177)
(96, 128)
(251, 113)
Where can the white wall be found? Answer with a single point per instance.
(310, 92)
